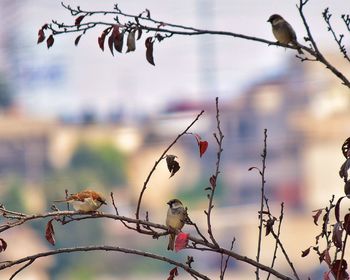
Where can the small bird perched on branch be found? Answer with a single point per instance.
(85, 201)
(175, 219)
(284, 32)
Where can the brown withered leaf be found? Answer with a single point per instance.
(339, 267)
(337, 235)
(346, 224)
(101, 39)
(305, 252)
(118, 41)
(149, 50)
(347, 188)
(139, 33)
(76, 42)
(41, 36)
(173, 273)
(3, 245)
(269, 225)
(131, 42)
(316, 216)
(50, 41)
(78, 20)
(173, 165)
(337, 209)
(111, 43)
(343, 172)
(212, 181)
(324, 256)
(50, 233)
(345, 148)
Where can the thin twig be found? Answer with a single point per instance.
(21, 268)
(223, 266)
(219, 138)
(263, 181)
(156, 164)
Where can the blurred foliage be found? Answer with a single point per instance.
(103, 160)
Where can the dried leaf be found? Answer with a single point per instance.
(203, 146)
(149, 50)
(78, 20)
(173, 273)
(118, 42)
(50, 41)
(305, 252)
(347, 188)
(324, 256)
(269, 226)
(130, 42)
(337, 209)
(343, 172)
(181, 241)
(346, 148)
(139, 33)
(3, 245)
(101, 39)
(50, 233)
(337, 235)
(111, 43)
(173, 165)
(212, 181)
(346, 224)
(339, 267)
(76, 42)
(41, 36)
(316, 216)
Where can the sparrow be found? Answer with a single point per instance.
(283, 31)
(85, 201)
(175, 219)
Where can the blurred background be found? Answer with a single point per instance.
(76, 118)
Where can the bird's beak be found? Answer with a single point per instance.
(168, 203)
(268, 20)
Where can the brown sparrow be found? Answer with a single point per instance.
(175, 219)
(85, 201)
(283, 31)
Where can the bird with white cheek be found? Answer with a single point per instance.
(284, 32)
(85, 201)
(175, 219)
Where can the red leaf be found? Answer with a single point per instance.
(50, 233)
(50, 41)
(3, 245)
(41, 36)
(76, 42)
(305, 252)
(337, 235)
(101, 39)
(181, 241)
(149, 50)
(118, 39)
(172, 273)
(78, 20)
(212, 181)
(203, 145)
(111, 43)
(317, 215)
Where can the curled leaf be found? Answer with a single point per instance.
(346, 148)
(118, 41)
(41, 36)
(111, 43)
(347, 188)
(139, 33)
(316, 216)
(3, 245)
(50, 233)
(101, 39)
(78, 20)
(181, 241)
(130, 42)
(172, 273)
(337, 209)
(343, 172)
(173, 165)
(269, 226)
(149, 50)
(346, 224)
(305, 252)
(50, 41)
(337, 235)
(76, 42)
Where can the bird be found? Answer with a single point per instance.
(85, 201)
(284, 32)
(175, 219)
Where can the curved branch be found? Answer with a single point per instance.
(32, 258)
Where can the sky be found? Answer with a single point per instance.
(66, 79)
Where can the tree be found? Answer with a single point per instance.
(132, 27)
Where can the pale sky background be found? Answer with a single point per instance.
(66, 78)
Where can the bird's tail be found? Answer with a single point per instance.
(297, 45)
(171, 242)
